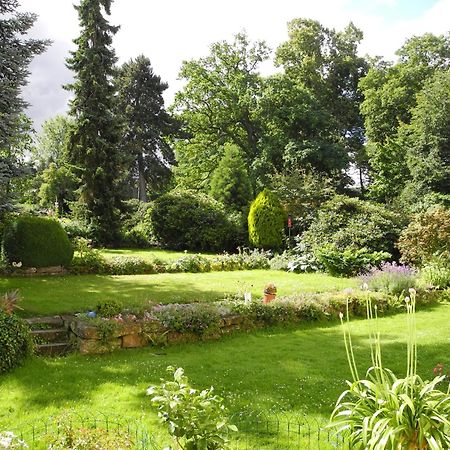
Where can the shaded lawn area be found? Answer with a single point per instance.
(150, 254)
(290, 371)
(56, 295)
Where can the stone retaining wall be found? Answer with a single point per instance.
(90, 338)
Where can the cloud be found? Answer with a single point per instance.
(175, 30)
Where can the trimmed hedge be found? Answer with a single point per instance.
(37, 242)
(15, 341)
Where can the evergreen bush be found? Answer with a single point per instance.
(15, 341)
(37, 242)
(189, 220)
(266, 221)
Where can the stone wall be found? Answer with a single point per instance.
(108, 336)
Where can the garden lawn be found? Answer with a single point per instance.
(276, 372)
(68, 294)
(150, 254)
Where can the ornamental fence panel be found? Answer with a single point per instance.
(256, 432)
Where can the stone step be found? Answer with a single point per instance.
(51, 335)
(53, 349)
(50, 322)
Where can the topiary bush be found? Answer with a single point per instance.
(37, 242)
(15, 341)
(352, 223)
(266, 221)
(189, 220)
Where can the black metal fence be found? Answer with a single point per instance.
(256, 432)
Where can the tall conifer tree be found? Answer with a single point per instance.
(16, 53)
(93, 145)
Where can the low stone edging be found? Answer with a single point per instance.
(94, 339)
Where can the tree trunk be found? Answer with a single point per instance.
(142, 182)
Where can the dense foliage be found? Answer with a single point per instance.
(230, 183)
(266, 221)
(93, 144)
(427, 237)
(16, 53)
(146, 124)
(192, 221)
(15, 341)
(353, 223)
(37, 242)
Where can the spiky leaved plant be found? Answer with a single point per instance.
(385, 412)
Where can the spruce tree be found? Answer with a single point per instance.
(93, 144)
(16, 53)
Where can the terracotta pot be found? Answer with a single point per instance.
(269, 298)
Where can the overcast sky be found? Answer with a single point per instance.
(171, 31)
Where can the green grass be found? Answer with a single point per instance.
(291, 371)
(150, 254)
(55, 295)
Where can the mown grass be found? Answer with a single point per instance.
(149, 254)
(281, 371)
(56, 295)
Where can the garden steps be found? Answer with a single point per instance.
(51, 334)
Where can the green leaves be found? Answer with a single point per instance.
(386, 412)
(196, 420)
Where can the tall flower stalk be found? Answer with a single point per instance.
(385, 412)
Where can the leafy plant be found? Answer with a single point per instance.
(196, 419)
(436, 274)
(8, 303)
(391, 278)
(427, 237)
(15, 341)
(348, 262)
(128, 265)
(195, 318)
(109, 308)
(386, 412)
(190, 263)
(86, 259)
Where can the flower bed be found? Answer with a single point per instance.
(173, 323)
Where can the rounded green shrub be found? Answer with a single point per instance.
(15, 341)
(189, 220)
(346, 222)
(37, 242)
(266, 221)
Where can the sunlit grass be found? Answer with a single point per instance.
(68, 294)
(149, 254)
(276, 372)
